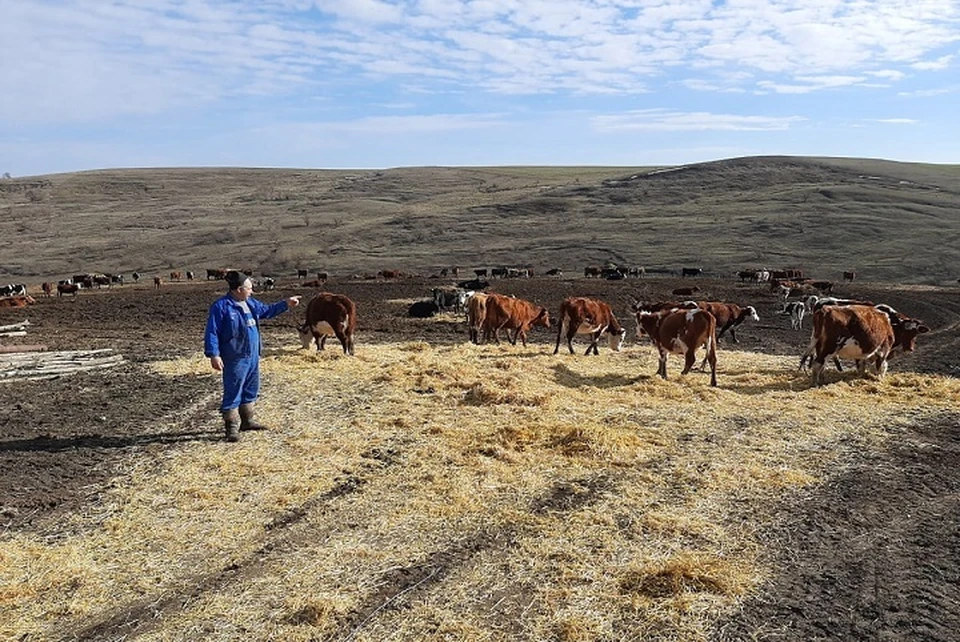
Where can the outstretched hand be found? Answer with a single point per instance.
(293, 301)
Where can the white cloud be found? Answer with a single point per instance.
(939, 64)
(889, 74)
(928, 93)
(668, 120)
(897, 121)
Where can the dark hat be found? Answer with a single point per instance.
(234, 279)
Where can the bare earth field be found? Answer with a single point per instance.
(868, 552)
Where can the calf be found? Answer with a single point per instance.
(681, 332)
(328, 315)
(423, 309)
(795, 310)
(580, 315)
(507, 313)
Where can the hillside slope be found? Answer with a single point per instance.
(889, 221)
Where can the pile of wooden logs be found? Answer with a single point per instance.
(33, 366)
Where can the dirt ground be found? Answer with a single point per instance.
(872, 555)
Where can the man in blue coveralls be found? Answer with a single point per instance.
(232, 342)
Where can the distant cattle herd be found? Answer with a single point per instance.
(842, 329)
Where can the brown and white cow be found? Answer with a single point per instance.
(329, 315)
(582, 315)
(507, 313)
(681, 332)
(476, 314)
(16, 301)
(861, 332)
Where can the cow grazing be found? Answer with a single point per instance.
(136, 277)
(681, 332)
(729, 316)
(68, 288)
(554, 272)
(796, 311)
(480, 272)
(581, 315)
(862, 333)
(329, 315)
(507, 313)
(637, 272)
(190, 275)
(685, 272)
(686, 291)
(216, 273)
(447, 298)
(423, 309)
(592, 270)
(16, 301)
(323, 276)
(176, 276)
(118, 278)
(849, 276)
(476, 314)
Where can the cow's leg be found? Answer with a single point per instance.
(881, 366)
(594, 338)
(662, 369)
(836, 362)
(689, 358)
(343, 339)
(556, 348)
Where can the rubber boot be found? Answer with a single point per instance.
(247, 421)
(231, 424)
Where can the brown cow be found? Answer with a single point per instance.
(328, 315)
(476, 313)
(389, 274)
(176, 276)
(580, 315)
(47, 288)
(686, 291)
(16, 301)
(863, 333)
(507, 313)
(729, 316)
(824, 287)
(849, 276)
(316, 283)
(592, 270)
(67, 288)
(157, 282)
(681, 332)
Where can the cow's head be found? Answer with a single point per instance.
(616, 335)
(752, 312)
(306, 335)
(543, 318)
(905, 331)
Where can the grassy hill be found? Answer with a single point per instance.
(890, 221)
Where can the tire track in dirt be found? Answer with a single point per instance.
(286, 532)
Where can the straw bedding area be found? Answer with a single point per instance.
(460, 493)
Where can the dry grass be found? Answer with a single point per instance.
(460, 493)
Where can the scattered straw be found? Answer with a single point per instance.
(475, 493)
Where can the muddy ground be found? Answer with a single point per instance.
(872, 555)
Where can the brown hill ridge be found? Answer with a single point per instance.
(890, 221)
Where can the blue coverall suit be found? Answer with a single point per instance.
(234, 335)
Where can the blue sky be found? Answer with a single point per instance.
(90, 84)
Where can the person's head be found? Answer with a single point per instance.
(240, 285)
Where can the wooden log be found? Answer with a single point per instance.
(35, 347)
(15, 326)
